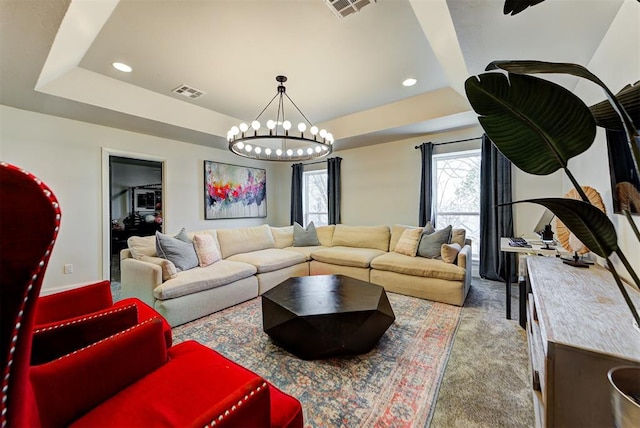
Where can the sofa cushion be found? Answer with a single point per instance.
(282, 236)
(244, 240)
(325, 234)
(376, 237)
(306, 251)
(431, 243)
(347, 256)
(200, 279)
(206, 249)
(418, 266)
(458, 236)
(408, 242)
(305, 237)
(142, 246)
(270, 259)
(180, 253)
(449, 252)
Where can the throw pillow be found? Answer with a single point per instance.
(168, 269)
(449, 252)
(458, 236)
(180, 253)
(183, 236)
(408, 242)
(428, 228)
(206, 249)
(141, 246)
(305, 237)
(430, 244)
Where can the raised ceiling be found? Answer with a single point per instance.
(345, 74)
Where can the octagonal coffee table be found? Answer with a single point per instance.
(325, 316)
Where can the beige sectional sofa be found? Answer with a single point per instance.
(255, 259)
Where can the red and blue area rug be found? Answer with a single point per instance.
(395, 385)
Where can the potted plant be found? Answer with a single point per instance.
(539, 125)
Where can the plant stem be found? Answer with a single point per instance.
(623, 290)
(627, 265)
(632, 223)
(577, 186)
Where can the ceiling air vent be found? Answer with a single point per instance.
(344, 8)
(189, 91)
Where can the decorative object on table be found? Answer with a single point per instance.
(233, 191)
(625, 396)
(525, 115)
(566, 238)
(278, 142)
(547, 236)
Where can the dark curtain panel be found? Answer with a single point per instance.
(625, 183)
(426, 185)
(334, 185)
(296, 193)
(495, 221)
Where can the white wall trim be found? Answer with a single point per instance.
(106, 220)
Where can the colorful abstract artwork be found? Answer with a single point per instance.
(233, 191)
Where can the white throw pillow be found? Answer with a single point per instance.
(206, 249)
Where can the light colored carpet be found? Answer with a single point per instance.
(395, 385)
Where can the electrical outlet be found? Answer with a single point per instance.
(68, 268)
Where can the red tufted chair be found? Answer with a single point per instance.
(129, 378)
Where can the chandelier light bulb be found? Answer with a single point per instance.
(258, 150)
(286, 125)
(247, 148)
(244, 127)
(300, 152)
(279, 152)
(235, 130)
(289, 152)
(229, 136)
(314, 130)
(255, 125)
(240, 145)
(323, 133)
(271, 124)
(318, 149)
(267, 151)
(302, 127)
(309, 151)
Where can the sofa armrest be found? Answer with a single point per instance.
(73, 303)
(53, 340)
(464, 261)
(139, 279)
(68, 387)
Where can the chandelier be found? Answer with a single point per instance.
(278, 142)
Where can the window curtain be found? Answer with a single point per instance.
(296, 193)
(495, 221)
(334, 184)
(426, 185)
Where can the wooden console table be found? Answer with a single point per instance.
(578, 328)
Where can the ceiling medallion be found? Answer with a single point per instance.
(278, 142)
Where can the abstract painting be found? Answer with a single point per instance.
(233, 191)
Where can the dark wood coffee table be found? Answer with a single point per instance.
(325, 316)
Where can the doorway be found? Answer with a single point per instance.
(136, 204)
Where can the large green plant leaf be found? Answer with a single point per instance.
(588, 223)
(607, 117)
(535, 123)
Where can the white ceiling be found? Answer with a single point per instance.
(344, 74)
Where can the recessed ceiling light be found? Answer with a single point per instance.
(122, 67)
(409, 82)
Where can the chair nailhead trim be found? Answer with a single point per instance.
(79, 320)
(227, 412)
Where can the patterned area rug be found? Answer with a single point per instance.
(395, 385)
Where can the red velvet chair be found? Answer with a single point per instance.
(87, 302)
(127, 379)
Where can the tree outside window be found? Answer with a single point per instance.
(456, 193)
(315, 197)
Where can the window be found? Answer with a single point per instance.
(456, 193)
(315, 204)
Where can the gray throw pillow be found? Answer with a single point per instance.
(180, 253)
(428, 228)
(182, 235)
(431, 243)
(305, 237)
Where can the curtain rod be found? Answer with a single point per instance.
(316, 162)
(455, 141)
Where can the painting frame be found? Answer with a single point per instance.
(234, 191)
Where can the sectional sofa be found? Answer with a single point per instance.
(235, 265)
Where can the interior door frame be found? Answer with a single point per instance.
(106, 203)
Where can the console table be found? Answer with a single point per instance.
(578, 328)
